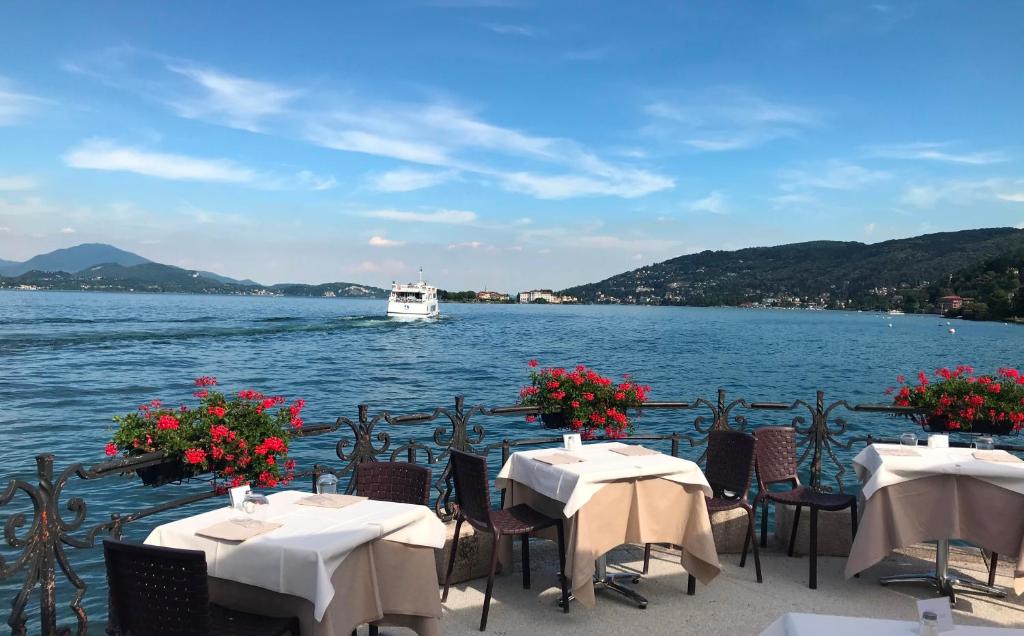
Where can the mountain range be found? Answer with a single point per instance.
(907, 274)
(97, 266)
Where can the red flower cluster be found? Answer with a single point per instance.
(964, 400)
(244, 440)
(589, 401)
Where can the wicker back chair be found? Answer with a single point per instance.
(472, 494)
(157, 591)
(400, 482)
(730, 462)
(775, 462)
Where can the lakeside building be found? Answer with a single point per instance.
(545, 295)
(492, 296)
(949, 303)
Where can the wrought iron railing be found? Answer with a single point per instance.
(44, 540)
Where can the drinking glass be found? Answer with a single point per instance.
(908, 439)
(984, 442)
(327, 484)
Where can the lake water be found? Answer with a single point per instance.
(70, 361)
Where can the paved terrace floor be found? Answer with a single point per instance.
(734, 604)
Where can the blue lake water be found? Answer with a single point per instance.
(70, 361)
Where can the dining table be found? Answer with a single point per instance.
(609, 494)
(333, 561)
(914, 494)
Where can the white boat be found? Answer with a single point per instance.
(895, 312)
(410, 301)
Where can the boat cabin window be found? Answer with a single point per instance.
(408, 296)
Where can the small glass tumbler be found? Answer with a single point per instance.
(983, 442)
(327, 484)
(929, 625)
(908, 439)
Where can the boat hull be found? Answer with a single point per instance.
(413, 311)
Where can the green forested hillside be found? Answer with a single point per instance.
(906, 273)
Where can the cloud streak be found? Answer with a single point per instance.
(726, 118)
(932, 151)
(16, 106)
(449, 217)
(107, 155)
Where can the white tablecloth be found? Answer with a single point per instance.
(878, 471)
(818, 624)
(575, 484)
(299, 557)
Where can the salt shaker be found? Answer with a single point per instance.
(929, 624)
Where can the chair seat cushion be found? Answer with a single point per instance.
(520, 519)
(228, 622)
(806, 496)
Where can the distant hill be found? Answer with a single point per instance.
(826, 273)
(73, 259)
(83, 268)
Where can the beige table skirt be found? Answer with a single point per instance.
(633, 511)
(940, 507)
(383, 582)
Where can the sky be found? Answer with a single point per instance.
(500, 144)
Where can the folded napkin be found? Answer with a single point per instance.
(897, 451)
(634, 451)
(996, 456)
(557, 458)
(331, 500)
(238, 529)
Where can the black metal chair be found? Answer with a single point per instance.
(400, 482)
(472, 494)
(775, 462)
(729, 466)
(157, 591)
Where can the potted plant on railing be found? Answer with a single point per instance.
(242, 440)
(582, 400)
(959, 400)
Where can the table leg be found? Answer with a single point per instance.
(941, 579)
(605, 581)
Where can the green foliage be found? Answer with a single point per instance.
(242, 440)
(909, 274)
(964, 400)
(590, 402)
(456, 296)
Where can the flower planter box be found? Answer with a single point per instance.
(554, 420)
(941, 425)
(168, 472)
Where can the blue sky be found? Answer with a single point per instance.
(500, 143)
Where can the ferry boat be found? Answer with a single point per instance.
(409, 301)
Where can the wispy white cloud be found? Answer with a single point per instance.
(834, 175)
(437, 133)
(935, 151)
(468, 245)
(380, 241)
(450, 217)
(99, 154)
(963, 192)
(713, 203)
(792, 199)
(239, 102)
(869, 228)
(15, 105)
(725, 119)
(17, 182)
(406, 180)
(389, 266)
(107, 155)
(513, 29)
(67, 230)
